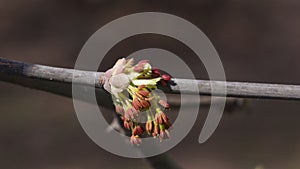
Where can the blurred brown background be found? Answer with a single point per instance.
(257, 41)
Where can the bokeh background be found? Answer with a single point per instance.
(257, 40)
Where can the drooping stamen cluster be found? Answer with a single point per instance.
(133, 92)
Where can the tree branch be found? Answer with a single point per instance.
(56, 79)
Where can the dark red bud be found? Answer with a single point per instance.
(144, 93)
(136, 104)
(145, 103)
(138, 130)
(155, 73)
(163, 82)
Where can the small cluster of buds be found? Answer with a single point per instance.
(135, 94)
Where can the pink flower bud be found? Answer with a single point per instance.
(149, 126)
(166, 77)
(129, 113)
(135, 140)
(138, 68)
(161, 135)
(119, 109)
(164, 134)
(127, 124)
(155, 131)
(164, 104)
(162, 118)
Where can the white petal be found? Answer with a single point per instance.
(133, 75)
(107, 86)
(120, 62)
(115, 91)
(138, 82)
(120, 81)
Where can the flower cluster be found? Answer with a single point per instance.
(133, 92)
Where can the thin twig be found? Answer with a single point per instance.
(59, 81)
(9, 70)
